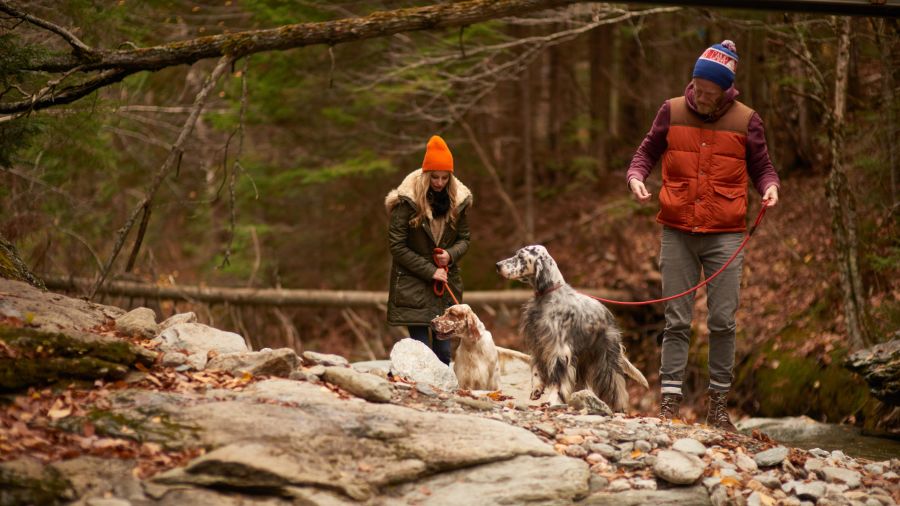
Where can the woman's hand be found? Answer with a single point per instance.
(443, 258)
(439, 275)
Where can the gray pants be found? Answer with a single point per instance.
(681, 258)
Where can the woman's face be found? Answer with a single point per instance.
(439, 179)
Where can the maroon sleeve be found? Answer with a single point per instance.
(759, 166)
(652, 148)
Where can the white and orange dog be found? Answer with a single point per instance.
(477, 360)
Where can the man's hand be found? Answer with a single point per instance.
(771, 196)
(639, 190)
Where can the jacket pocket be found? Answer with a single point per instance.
(729, 205)
(410, 291)
(673, 199)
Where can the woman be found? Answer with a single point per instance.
(428, 211)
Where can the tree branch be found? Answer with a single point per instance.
(79, 47)
(377, 24)
(171, 161)
(65, 96)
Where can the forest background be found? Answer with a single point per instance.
(281, 182)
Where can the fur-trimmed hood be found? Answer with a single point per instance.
(406, 191)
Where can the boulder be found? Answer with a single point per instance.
(52, 311)
(682, 496)
(139, 322)
(367, 386)
(36, 357)
(175, 319)
(28, 481)
(523, 480)
(880, 367)
(311, 358)
(279, 434)
(281, 362)
(197, 340)
(412, 359)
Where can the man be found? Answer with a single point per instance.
(711, 146)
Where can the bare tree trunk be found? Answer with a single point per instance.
(527, 151)
(887, 95)
(600, 42)
(495, 177)
(614, 80)
(842, 203)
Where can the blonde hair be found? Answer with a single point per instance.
(420, 197)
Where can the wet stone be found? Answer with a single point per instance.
(771, 457)
(768, 480)
(689, 446)
(604, 449)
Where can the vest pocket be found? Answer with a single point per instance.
(673, 200)
(729, 205)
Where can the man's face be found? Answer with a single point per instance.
(707, 95)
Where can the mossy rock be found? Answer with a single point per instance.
(804, 385)
(12, 267)
(27, 482)
(37, 357)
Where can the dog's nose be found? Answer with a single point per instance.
(498, 266)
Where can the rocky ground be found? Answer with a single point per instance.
(186, 414)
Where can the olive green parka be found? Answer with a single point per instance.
(412, 300)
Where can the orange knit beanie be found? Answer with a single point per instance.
(437, 155)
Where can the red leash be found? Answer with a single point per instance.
(440, 286)
(759, 218)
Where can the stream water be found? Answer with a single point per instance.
(806, 433)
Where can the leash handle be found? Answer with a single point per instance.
(759, 217)
(439, 286)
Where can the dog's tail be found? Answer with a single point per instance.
(508, 354)
(631, 371)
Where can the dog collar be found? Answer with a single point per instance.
(545, 292)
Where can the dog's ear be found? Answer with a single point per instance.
(542, 281)
(472, 325)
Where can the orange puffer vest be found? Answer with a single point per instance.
(704, 171)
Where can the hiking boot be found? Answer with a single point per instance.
(717, 415)
(668, 406)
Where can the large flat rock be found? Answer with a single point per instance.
(279, 434)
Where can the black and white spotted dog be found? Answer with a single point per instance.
(573, 339)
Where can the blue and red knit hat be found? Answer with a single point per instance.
(718, 64)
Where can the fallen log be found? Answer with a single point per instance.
(285, 296)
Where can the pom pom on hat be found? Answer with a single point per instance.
(718, 64)
(437, 155)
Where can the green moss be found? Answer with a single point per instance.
(45, 357)
(53, 344)
(17, 374)
(12, 267)
(48, 489)
(141, 426)
(787, 384)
